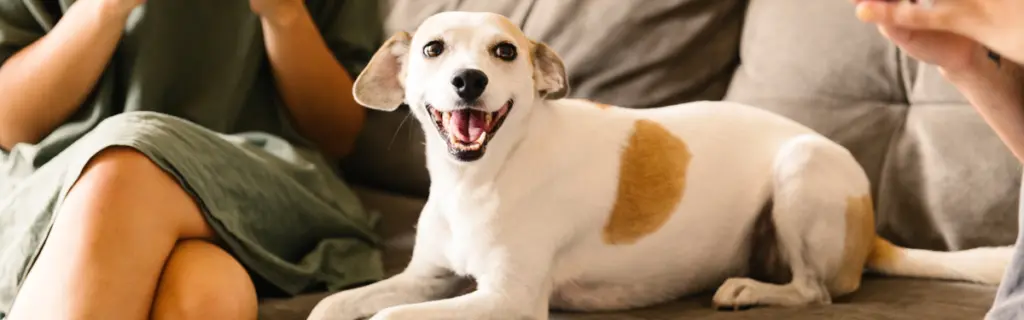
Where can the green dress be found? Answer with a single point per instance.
(190, 86)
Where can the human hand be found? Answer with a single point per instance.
(277, 10)
(949, 51)
(923, 32)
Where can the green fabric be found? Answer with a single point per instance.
(190, 86)
(200, 60)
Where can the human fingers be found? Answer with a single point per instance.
(948, 16)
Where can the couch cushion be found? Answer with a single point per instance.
(950, 183)
(878, 298)
(940, 177)
(632, 53)
(813, 62)
(642, 54)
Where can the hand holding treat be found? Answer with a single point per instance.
(925, 28)
(956, 36)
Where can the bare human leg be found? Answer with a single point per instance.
(108, 247)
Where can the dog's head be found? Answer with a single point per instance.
(469, 78)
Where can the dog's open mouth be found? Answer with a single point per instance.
(467, 130)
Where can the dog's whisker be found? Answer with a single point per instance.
(400, 124)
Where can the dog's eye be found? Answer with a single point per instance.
(505, 51)
(433, 49)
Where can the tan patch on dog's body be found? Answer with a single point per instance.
(652, 179)
(858, 244)
(602, 106)
(599, 105)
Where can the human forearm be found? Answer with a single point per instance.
(314, 86)
(44, 83)
(997, 92)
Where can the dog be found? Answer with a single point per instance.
(555, 203)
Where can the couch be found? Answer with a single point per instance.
(941, 178)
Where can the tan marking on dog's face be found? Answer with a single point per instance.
(652, 179)
(860, 236)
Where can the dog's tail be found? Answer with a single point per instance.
(980, 265)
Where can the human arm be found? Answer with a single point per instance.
(997, 92)
(313, 84)
(956, 37)
(45, 82)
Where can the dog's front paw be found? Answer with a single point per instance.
(397, 313)
(339, 306)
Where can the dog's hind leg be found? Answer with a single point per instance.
(819, 204)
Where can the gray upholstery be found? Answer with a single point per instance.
(941, 179)
(878, 299)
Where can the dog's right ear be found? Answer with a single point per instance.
(380, 85)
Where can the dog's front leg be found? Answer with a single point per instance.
(404, 288)
(426, 278)
(515, 286)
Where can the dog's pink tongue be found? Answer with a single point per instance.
(477, 125)
(468, 124)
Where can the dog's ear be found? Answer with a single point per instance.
(380, 85)
(548, 72)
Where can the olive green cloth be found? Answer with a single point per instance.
(190, 86)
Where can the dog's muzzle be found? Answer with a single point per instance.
(468, 130)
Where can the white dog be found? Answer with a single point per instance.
(569, 204)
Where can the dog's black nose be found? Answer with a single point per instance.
(469, 83)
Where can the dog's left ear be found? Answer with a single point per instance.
(548, 72)
(380, 85)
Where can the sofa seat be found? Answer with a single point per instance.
(878, 299)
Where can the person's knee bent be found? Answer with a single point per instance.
(117, 176)
(202, 281)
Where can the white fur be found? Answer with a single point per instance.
(525, 220)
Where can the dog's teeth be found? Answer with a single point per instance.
(483, 135)
(487, 118)
(445, 119)
(451, 139)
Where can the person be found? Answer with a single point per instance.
(978, 46)
(173, 159)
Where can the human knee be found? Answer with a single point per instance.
(202, 281)
(118, 181)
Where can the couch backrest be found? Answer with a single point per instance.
(941, 178)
